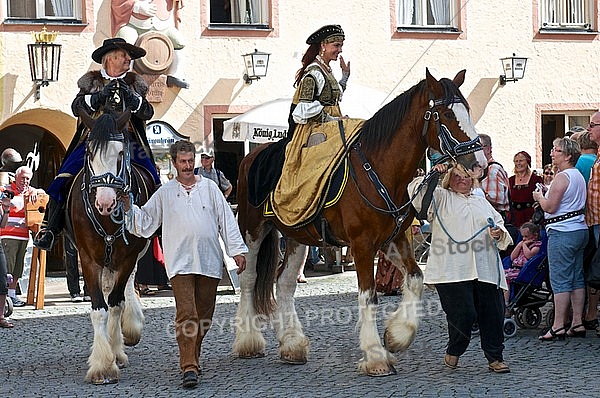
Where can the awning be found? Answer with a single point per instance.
(268, 122)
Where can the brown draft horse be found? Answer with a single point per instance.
(108, 253)
(432, 114)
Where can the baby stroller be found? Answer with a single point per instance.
(529, 292)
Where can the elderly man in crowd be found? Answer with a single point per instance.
(15, 234)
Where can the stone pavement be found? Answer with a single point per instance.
(45, 354)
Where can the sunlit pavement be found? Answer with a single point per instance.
(45, 354)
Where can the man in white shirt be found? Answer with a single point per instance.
(193, 214)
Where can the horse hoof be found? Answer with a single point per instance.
(293, 360)
(252, 356)
(103, 381)
(382, 372)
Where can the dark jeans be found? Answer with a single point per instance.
(72, 269)
(470, 301)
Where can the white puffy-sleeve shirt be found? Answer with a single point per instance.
(191, 225)
(455, 217)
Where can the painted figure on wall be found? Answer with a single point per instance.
(132, 18)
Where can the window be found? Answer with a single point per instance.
(566, 14)
(253, 13)
(44, 9)
(429, 14)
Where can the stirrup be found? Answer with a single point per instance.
(44, 239)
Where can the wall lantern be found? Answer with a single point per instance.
(256, 65)
(514, 69)
(44, 59)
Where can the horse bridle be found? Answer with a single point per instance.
(120, 182)
(450, 148)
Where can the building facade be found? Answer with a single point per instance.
(389, 43)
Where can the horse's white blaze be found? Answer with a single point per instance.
(466, 124)
(106, 198)
(375, 358)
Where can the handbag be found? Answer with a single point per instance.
(538, 215)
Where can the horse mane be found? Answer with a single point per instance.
(104, 127)
(378, 131)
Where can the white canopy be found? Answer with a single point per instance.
(269, 121)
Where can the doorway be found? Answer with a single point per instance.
(43, 152)
(228, 156)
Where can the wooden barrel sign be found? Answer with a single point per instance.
(159, 53)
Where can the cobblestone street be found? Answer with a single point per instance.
(45, 354)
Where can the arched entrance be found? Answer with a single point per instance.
(41, 137)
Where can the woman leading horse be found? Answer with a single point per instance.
(372, 212)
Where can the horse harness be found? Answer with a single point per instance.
(450, 147)
(121, 183)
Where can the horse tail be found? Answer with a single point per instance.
(267, 262)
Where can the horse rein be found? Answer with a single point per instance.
(450, 148)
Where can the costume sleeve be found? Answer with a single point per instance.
(228, 227)
(145, 221)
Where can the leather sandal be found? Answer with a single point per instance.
(590, 325)
(6, 324)
(554, 335)
(576, 333)
(451, 361)
(498, 367)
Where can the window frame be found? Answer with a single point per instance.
(40, 5)
(565, 27)
(263, 24)
(455, 12)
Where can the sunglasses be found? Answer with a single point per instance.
(548, 173)
(592, 125)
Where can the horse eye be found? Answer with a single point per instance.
(449, 114)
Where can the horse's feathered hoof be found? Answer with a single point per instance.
(293, 360)
(252, 356)
(100, 382)
(381, 373)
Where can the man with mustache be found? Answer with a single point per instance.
(193, 214)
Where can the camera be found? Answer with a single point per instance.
(540, 187)
(7, 194)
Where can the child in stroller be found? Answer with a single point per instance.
(528, 247)
(526, 292)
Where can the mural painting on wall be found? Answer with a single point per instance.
(152, 25)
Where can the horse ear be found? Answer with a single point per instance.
(459, 79)
(428, 76)
(123, 119)
(87, 119)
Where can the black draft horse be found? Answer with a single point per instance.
(432, 114)
(108, 253)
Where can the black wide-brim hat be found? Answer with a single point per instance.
(117, 43)
(325, 32)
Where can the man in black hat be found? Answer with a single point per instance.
(114, 88)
